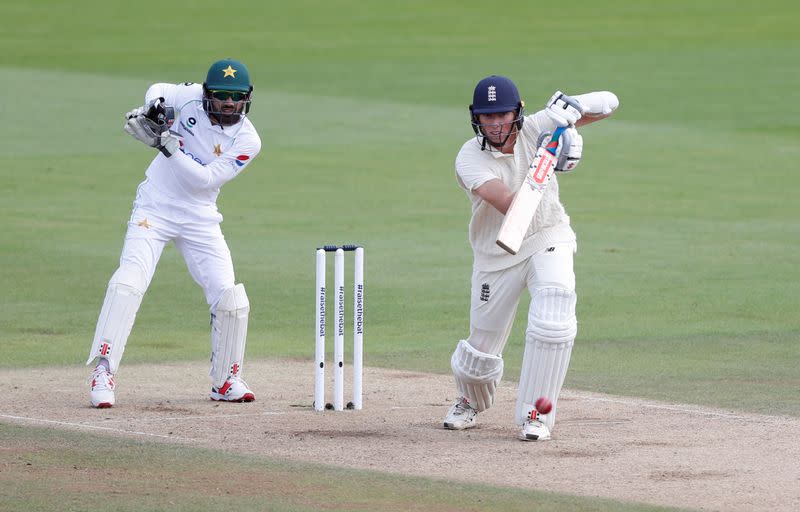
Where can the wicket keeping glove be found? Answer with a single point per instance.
(150, 124)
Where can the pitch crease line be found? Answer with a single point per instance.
(95, 427)
(174, 418)
(676, 408)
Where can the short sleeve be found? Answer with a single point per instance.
(472, 170)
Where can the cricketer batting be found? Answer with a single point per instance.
(491, 168)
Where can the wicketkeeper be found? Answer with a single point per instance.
(491, 167)
(204, 139)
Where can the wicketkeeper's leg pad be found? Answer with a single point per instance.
(123, 298)
(229, 334)
(552, 328)
(477, 374)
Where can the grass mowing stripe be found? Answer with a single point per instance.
(52, 470)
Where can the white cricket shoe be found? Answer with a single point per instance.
(460, 416)
(234, 390)
(102, 391)
(533, 429)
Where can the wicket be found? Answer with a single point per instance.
(338, 341)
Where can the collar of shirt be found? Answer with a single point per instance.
(499, 154)
(208, 124)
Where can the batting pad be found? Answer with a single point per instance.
(477, 374)
(552, 328)
(123, 298)
(229, 334)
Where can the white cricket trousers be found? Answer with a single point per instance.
(495, 295)
(200, 242)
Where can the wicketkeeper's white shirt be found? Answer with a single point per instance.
(475, 167)
(209, 157)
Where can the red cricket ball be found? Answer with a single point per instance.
(544, 405)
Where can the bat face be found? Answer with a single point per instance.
(520, 214)
(541, 174)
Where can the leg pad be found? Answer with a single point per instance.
(477, 374)
(229, 334)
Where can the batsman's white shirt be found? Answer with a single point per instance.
(474, 167)
(177, 200)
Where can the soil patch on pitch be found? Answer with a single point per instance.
(614, 447)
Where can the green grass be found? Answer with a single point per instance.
(62, 471)
(684, 204)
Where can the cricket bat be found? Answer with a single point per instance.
(523, 207)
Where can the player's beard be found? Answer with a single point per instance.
(226, 115)
(229, 119)
(229, 116)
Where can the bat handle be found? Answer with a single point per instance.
(553, 144)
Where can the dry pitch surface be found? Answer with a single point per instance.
(614, 447)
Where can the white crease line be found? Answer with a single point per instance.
(686, 410)
(611, 400)
(636, 403)
(226, 416)
(619, 401)
(82, 425)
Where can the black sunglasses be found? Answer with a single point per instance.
(224, 95)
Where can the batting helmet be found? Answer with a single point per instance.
(227, 75)
(495, 94)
